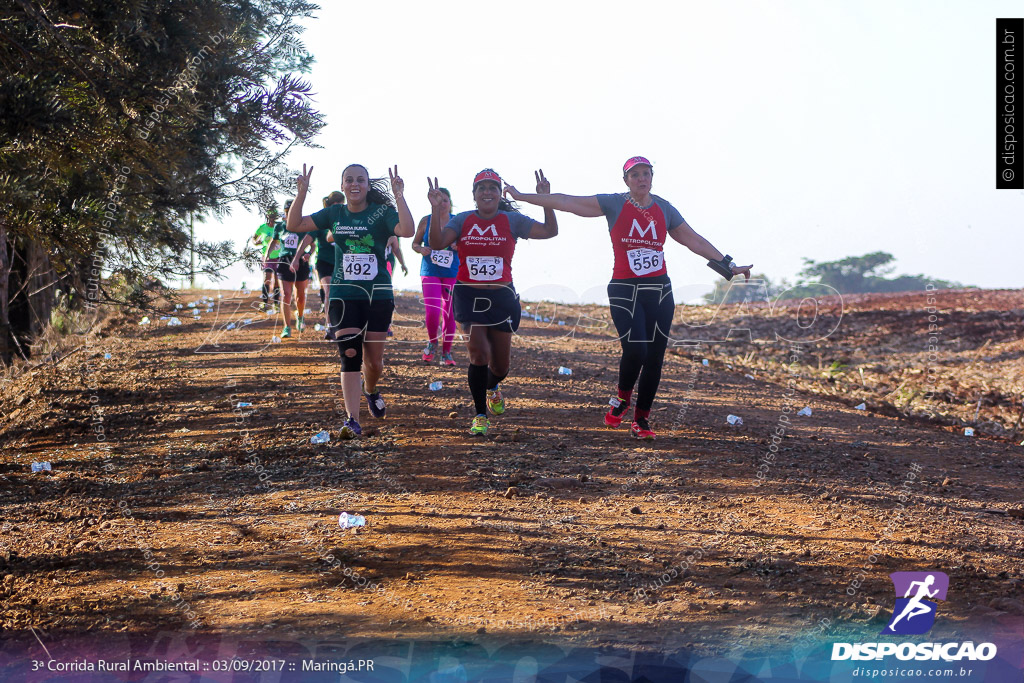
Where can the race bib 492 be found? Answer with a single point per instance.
(359, 266)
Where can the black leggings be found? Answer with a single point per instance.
(642, 310)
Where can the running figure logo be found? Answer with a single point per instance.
(915, 614)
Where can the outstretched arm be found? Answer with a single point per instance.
(689, 238)
(296, 221)
(587, 207)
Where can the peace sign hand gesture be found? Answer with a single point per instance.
(434, 194)
(302, 182)
(543, 184)
(397, 184)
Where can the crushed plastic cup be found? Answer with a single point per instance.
(307, 312)
(230, 326)
(191, 304)
(247, 321)
(734, 420)
(562, 370)
(163, 317)
(862, 406)
(41, 467)
(805, 411)
(435, 386)
(144, 321)
(275, 339)
(318, 327)
(107, 356)
(347, 521)
(704, 362)
(561, 322)
(173, 322)
(320, 437)
(177, 307)
(749, 376)
(968, 431)
(244, 404)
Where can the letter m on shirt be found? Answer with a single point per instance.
(643, 231)
(477, 230)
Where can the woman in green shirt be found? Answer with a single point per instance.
(361, 298)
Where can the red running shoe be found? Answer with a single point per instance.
(613, 418)
(641, 429)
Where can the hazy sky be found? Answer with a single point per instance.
(780, 130)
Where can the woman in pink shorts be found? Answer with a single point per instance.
(438, 272)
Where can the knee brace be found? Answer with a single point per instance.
(351, 362)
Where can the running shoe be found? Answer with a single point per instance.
(286, 332)
(480, 425)
(376, 403)
(447, 359)
(300, 325)
(641, 429)
(613, 418)
(351, 429)
(496, 402)
(428, 353)
(391, 333)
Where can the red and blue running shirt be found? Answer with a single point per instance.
(638, 234)
(486, 246)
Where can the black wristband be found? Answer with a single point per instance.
(723, 267)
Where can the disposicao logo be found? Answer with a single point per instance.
(914, 614)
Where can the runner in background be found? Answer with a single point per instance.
(361, 296)
(640, 292)
(324, 251)
(393, 250)
(485, 300)
(263, 238)
(294, 273)
(437, 272)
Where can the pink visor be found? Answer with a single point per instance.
(633, 161)
(487, 175)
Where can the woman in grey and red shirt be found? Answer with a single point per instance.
(485, 301)
(640, 292)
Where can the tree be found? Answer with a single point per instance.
(860, 274)
(120, 120)
(739, 290)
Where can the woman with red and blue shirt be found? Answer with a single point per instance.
(485, 300)
(640, 292)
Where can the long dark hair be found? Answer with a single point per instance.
(380, 189)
